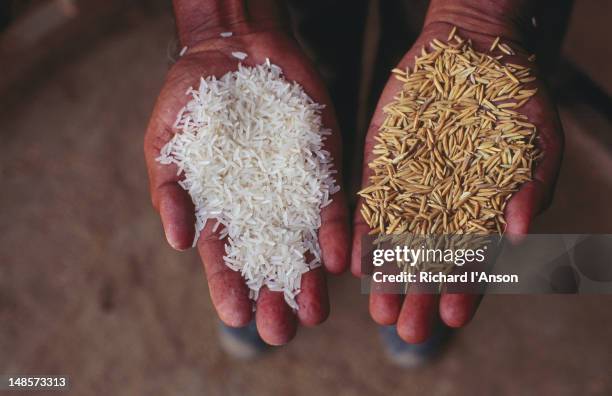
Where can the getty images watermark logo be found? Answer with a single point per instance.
(540, 263)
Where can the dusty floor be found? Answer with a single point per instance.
(89, 288)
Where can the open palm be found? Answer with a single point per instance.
(275, 321)
(415, 313)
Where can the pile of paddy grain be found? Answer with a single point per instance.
(454, 145)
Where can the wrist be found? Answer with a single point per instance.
(199, 20)
(508, 19)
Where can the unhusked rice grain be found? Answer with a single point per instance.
(454, 145)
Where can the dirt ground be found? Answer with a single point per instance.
(90, 289)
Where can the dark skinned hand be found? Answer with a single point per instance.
(211, 55)
(415, 313)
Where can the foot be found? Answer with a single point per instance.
(241, 343)
(408, 355)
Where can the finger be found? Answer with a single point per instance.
(385, 308)
(456, 310)
(228, 291)
(360, 230)
(313, 299)
(169, 199)
(416, 318)
(360, 227)
(523, 207)
(334, 235)
(533, 197)
(177, 215)
(275, 320)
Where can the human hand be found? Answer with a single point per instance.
(209, 54)
(415, 313)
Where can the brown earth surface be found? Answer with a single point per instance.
(90, 289)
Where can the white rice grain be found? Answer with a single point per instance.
(239, 55)
(250, 148)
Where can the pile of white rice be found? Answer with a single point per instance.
(250, 149)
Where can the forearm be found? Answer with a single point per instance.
(199, 20)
